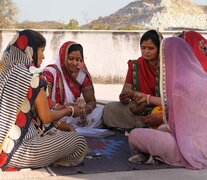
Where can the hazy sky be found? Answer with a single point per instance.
(63, 10)
(83, 11)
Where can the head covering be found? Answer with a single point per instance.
(21, 50)
(148, 75)
(183, 92)
(65, 86)
(63, 54)
(199, 45)
(15, 78)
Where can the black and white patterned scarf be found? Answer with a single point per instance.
(15, 78)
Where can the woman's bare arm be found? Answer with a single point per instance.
(89, 97)
(44, 112)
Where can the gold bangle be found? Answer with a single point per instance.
(57, 124)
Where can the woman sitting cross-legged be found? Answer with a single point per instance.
(183, 91)
(142, 77)
(68, 80)
(28, 138)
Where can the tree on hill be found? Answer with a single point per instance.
(8, 13)
(73, 24)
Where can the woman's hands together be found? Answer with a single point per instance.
(153, 120)
(79, 112)
(125, 97)
(139, 98)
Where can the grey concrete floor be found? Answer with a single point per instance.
(164, 174)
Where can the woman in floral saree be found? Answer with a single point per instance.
(183, 92)
(27, 137)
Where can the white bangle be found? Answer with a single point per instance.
(72, 109)
(148, 98)
(56, 105)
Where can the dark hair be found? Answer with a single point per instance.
(152, 35)
(76, 47)
(181, 35)
(39, 40)
(35, 40)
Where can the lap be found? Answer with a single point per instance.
(94, 119)
(118, 115)
(43, 150)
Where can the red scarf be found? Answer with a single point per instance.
(72, 83)
(199, 45)
(147, 77)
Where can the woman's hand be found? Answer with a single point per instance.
(83, 119)
(153, 120)
(66, 127)
(126, 93)
(78, 111)
(137, 109)
(124, 97)
(139, 98)
(71, 104)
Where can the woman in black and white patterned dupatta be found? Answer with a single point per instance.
(24, 108)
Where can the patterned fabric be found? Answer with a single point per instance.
(15, 80)
(62, 82)
(143, 76)
(199, 45)
(21, 143)
(53, 75)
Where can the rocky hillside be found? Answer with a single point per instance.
(161, 14)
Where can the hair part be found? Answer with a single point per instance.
(151, 35)
(76, 47)
(38, 38)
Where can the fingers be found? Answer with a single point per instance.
(139, 98)
(72, 128)
(148, 120)
(125, 98)
(71, 104)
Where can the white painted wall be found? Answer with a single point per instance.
(106, 52)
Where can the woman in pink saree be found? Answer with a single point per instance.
(183, 92)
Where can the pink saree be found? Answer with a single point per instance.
(183, 92)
